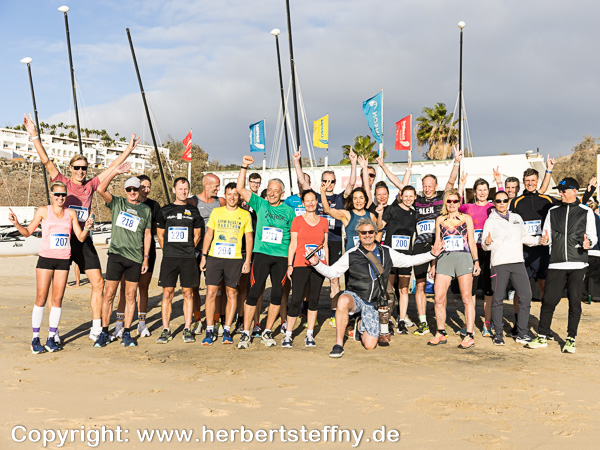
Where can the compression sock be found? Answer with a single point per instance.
(54, 320)
(423, 318)
(37, 316)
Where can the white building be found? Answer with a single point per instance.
(476, 167)
(16, 143)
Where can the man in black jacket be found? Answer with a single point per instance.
(569, 230)
(365, 282)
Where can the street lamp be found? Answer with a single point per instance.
(65, 10)
(37, 123)
(276, 32)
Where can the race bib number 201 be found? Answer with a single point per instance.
(425, 227)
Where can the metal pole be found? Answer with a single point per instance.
(293, 67)
(37, 126)
(460, 98)
(287, 145)
(137, 71)
(73, 83)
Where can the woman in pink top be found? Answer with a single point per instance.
(479, 212)
(80, 192)
(53, 264)
(307, 233)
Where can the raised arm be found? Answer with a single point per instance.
(454, 173)
(498, 178)
(339, 214)
(590, 190)
(304, 186)
(461, 185)
(244, 192)
(393, 178)
(348, 189)
(133, 142)
(103, 186)
(364, 165)
(37, 218)
(39, 148)
(547, 176)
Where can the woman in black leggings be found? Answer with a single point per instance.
(307, 233)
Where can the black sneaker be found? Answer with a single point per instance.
(498, 339)
(550, 336)
(336, 352)
(514, 332)
(402, 328)
(525, 339)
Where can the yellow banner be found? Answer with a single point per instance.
(321, 132)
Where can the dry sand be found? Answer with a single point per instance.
(437, 397)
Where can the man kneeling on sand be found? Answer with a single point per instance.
(368, 267)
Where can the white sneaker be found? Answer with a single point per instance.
(57, 338)
(244, 341)
(408, 322)
(143, 332)
(284, 327)
(267, 339)
(196, 328)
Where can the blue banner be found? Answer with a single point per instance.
(257, 136)
(373, 111)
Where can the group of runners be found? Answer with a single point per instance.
(241, 240)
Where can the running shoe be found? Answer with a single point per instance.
(239, 326)
(227, 337)
(267, 339)
(257, 330)
(402, 327)
(95, 334)
(196, 328)
(422, 329)
(287, 342)
(550, 336)
(309, 341)
(569, 346)
(337, 351)
(143, 331)
(538, 342)
(284, 327)
(57, 338)
(37, 347)
(210, 338)
(127, 340)
(498, 339)
(438, 339)
(102, 340)
(118, 333)
(188, 336)
(514, 332)
(526, 339)
(244, 341)
(218, 329)
(51, 345)
(164, 337)
(462, 332)
(408, 323)
(331, 321)
(486, 332)
(466, 343)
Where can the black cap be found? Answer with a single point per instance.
(567, 183)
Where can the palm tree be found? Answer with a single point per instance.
(363, 146)
(436, 129)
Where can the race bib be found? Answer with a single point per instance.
(82, 212)
(356, 241)
(425, 227)
(60, 241)
(331, 222)
(533, 227)
(321, 253)
(478, 236)
(272, 235)
(128, 221)
(178, 234)
(299, 211)
(400, 242)
(453, 243)
(225, 250)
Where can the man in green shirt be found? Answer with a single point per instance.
(128, 252)
(274, 219)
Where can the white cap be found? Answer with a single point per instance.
(132, 182)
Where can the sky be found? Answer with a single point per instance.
(530, 68)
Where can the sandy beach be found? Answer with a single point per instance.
(435, 397)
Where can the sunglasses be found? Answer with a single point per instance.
(502, 200)
(254, 182)
(60, 194)
(325, 181)
(452, 201)
(372, 175)
(369, 232)
(79, 167)
(131, 189)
